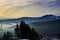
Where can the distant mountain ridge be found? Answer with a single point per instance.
(33, 19)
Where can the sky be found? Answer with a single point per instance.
(28, 8)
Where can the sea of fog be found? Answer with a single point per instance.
(4, 27)
(41, 29)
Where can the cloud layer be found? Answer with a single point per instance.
(30, 8)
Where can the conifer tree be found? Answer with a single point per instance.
(4, 36)
(7, 36)
(25, 30)
(17, 31)
(34, 35)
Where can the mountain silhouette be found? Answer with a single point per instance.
(33, 19)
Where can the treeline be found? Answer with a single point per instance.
(22, 31)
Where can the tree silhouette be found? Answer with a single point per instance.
(24, 31)
(34, 35)
(17, 31)
(4, 36)
(7, 36)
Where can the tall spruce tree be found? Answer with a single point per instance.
(4, 36)
(34, 35)
(7, 36)
(17, 31)
(25, 30)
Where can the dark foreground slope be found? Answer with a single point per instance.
(47, 28)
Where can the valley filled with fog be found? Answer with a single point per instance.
(4, 27)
